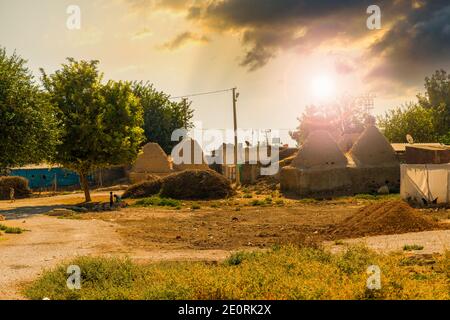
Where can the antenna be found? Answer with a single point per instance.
(410, 139)
(366, 101)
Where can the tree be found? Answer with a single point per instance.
(28, 126)
(427, 120)
(342, 116)
(411, 119)
(437, 99)
(161, 115)
(101, 124)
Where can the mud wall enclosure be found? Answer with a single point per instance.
(322, 169)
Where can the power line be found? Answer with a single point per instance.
(201, 94)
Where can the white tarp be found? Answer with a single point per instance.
(425, 183)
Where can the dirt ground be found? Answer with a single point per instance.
(211, 232)
(224, 228)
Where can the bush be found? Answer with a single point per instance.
(20, 185)
(144, 189)
(196, 184)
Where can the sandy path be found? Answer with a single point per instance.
(432, 241)
(49, 241)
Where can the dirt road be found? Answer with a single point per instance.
(49, 241)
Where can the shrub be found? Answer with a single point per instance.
(144, 189)
(20, 185)
(196, 184)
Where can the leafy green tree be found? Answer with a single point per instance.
(161, 115)
(411, 119)
(428, 120)
(437, 99)
(28, 127)
(101, 124)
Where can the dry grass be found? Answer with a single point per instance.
(288, 272)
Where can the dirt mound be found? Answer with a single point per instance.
(391, 217)
(196, 184)
(144, 189)
(19, 184)
(373, 149)
(319, 151)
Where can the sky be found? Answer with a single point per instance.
(282, 55)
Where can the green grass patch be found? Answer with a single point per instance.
(412, 247)
(11, 230)
(285, 272)
(156, 201)
(256, 203)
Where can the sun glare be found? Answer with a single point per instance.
(323, 87)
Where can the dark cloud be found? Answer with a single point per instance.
(415, 45)
(269, 26)
(417, 40)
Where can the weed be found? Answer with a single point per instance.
(11, 230)
(413, 247)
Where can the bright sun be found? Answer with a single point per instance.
(323, 87)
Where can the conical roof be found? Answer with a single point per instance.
(152, 159)
(319, 151)
(373, 149)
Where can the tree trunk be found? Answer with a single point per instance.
(85, 186)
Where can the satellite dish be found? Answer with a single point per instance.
(410, 139)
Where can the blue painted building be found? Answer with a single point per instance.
(45, 177)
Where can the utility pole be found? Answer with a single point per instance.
(237, 174)
(185, 112)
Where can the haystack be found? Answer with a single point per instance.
(319, 151)
(196, 184)
(147, 188)
(189, 155)
(373, 149)
(153, 159)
